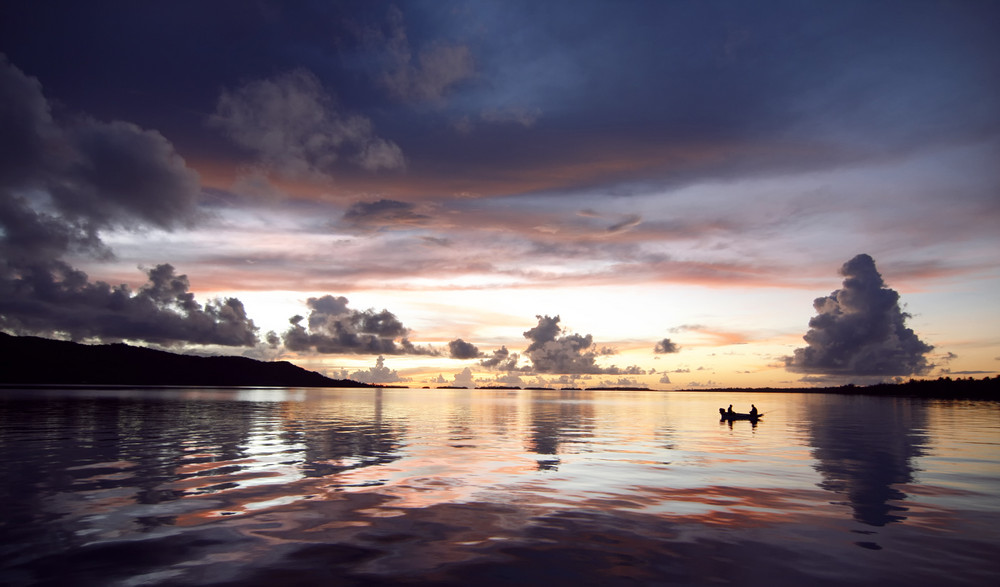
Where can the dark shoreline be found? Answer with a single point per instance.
(987, 389)
(33, 362)
(28, 360)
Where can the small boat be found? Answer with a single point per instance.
(730, 416)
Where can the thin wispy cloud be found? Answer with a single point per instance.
(295, 127)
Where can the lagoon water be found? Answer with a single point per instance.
(494, 487)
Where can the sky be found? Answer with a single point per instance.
(671, 194)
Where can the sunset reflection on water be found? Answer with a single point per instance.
(483, 486)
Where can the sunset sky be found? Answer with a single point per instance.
(665, 194)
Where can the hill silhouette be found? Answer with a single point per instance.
(28, 360)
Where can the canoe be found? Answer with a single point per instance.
(724, 415)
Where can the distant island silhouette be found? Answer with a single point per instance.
(29, 360)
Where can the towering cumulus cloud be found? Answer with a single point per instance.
(61, 184)
(332, 327)
(567, 354)
(379, 373)
(859, 330)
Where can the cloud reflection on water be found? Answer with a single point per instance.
(445, 487)
(865, 449)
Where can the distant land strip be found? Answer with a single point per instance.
(29, 360)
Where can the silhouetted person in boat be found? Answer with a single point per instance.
(753, 410)
(729, 412)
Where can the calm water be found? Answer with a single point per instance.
(455, 487)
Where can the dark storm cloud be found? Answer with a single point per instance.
(860, 330)
(459, 349)
(707, 89)
(295, 127)
(666, 346)
(28, 128)
(92, 173)
(551, 351)
(61, 183)
(57, 300)
(722, 89)
(784, 65)
(332, 327)
(383, 213)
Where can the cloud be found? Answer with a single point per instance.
(665, 379)
(431, 74)
(859, 330)
(666, 346)
(625, 224)
(383, 213)
(459, 349)
(508, 379)
(56, 300)
(379, 373)
(526, 117)
(88, 173)
(708, 383)
(119, 171)
(332, 327)
(465, 378)
(28, 128)
(61, 184)
(620, 382)
(721, 337)
(502, 360)
(295, 127)
(570, 353)
(436, 241)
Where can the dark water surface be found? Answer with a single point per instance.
(455, 487)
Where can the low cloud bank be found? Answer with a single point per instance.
(378, 374)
